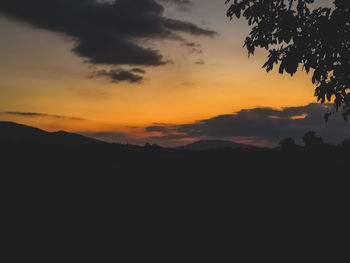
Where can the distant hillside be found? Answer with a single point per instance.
(13, 133)
(214, 144)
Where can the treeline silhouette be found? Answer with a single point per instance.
(29, 150)
(160, 203)
(123, 160)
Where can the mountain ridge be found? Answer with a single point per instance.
(203, 145)
(15, 133)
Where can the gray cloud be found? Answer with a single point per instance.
(138, 70)
(182, 5)
(106, 32)
(199, 62)
(266, 125)
(118, 75)
(157, 129)
(193, 47)
(35, 114)
(259, 126)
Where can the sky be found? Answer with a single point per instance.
(161, 71)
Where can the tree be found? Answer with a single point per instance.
(296, 35)
(311, 141)
(288, 144)
(346, 143)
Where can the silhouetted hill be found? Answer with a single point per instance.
(13, 133)
(149, 192)
(213, 145)
(39, 152)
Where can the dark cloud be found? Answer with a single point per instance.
(157, 129)
(257, 126)
(160, 123)
(182, 5)
(266, 125)
(106, 32)
(27, 114)
(35, 114)
(138, 70)
(118, 75)
(199, 62)
(193, 47)
(177, 25)
(192, 44)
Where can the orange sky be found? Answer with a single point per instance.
(40, 74)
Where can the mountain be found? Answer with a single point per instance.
(214, 144)
(13, 133)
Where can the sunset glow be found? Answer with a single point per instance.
(207, 76)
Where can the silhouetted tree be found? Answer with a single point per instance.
(346, 143)
(294, 34)
(152, 146)
(288, 144)
(311, 141)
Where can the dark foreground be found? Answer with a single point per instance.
(122, 161)
(136, 204)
